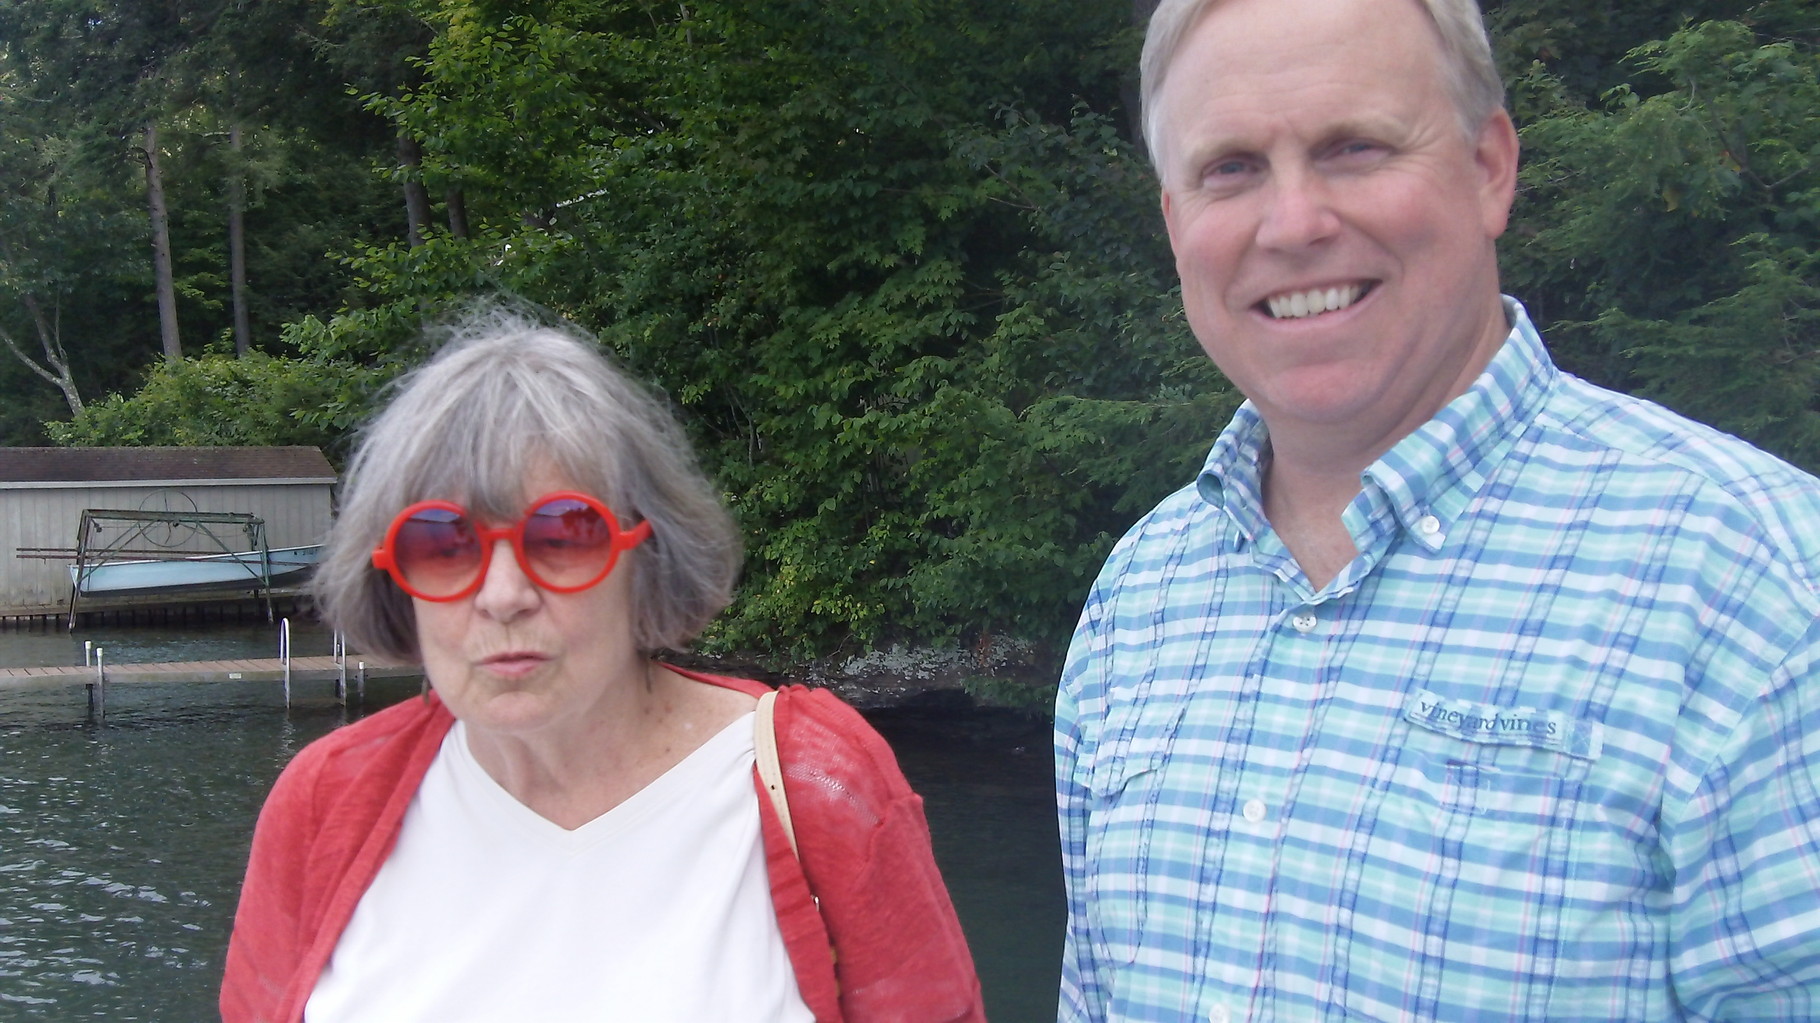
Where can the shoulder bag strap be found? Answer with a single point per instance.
(770, 772)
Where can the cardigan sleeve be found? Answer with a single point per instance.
(900, 955)
(326, 827)
(269, 931)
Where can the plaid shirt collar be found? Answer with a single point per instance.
(1434, 471)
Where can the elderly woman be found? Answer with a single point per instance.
(565, 827)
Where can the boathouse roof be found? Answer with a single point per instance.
(163, 465)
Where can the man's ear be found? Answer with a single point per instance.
(1495, 155)
(1168, 208)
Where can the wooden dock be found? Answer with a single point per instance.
(174, 609)
(262, 669)
(350, 675)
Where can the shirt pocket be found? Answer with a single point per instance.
(1126, 790)
(1481, 850)
(1498, 786)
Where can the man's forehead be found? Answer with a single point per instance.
(1283, 48)
(1298, 36)
(1225, 93)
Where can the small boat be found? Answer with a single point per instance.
(240, 570)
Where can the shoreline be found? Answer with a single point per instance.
(899, 678)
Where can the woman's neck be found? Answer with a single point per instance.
(579, 768)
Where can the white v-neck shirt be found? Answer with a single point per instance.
(658, 910)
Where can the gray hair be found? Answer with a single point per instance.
(1467, 67)
(504, 394)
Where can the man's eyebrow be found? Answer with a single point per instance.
(1359, 127)
(1242, 141)
(1219, 147)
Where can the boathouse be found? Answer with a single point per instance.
(44, 491)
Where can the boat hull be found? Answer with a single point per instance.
(241, 570)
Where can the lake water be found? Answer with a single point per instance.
(121, 847)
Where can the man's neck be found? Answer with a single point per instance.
(1314, 467)
(1305, 508)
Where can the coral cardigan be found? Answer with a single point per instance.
(898, 952)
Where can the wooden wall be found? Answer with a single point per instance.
(48, 515)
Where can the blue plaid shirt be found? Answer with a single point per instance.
(1548, 748)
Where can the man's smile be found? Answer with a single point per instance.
(1294, 305)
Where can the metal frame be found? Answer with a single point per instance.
(138, 541)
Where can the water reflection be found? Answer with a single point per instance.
(117, 860)
(121, 847)
(987, 787)
(33, 648)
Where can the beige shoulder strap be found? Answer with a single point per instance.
(770, 772)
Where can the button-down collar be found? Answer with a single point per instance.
(1430, 476)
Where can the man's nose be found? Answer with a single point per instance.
(1298, 210)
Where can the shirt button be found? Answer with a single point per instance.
(1428, 525)
(1305, 622)
(1219, 1014)
(1254, 810)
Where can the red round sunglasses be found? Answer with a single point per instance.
(566, 542)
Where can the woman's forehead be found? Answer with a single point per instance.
(506, 487)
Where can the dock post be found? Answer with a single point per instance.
(100, 688)
(341, 669)
(284, 655)
(362, 682)
(88, 661)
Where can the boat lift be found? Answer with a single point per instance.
(109, 540)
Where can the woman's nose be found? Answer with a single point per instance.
(507, 591)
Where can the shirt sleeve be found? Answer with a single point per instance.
(267, 940)
(899, 949)
(1082, 997)
(1746, 854)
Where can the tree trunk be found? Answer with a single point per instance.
(416, 198)
(458, 211)
(161, 247)
(236, 194)
(50, 340)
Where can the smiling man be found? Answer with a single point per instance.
(1454, 688)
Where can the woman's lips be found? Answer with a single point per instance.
(514, 663)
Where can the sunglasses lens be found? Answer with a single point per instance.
(568, 543)
(436, 552)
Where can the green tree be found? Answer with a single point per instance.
(1671, 237)
(219, 400)
(70, 255)
(893, 261)
(80, 85)
(901, 268)
(1582, 46)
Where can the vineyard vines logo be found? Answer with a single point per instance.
(1506, 726)
(1484, 723)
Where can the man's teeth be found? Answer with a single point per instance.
(1298, 304)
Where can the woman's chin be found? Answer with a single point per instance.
(508, 711)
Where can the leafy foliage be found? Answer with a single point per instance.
(917, 314)
(897, 264)
(78, 83)
(1672, 235)
(219, 400)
